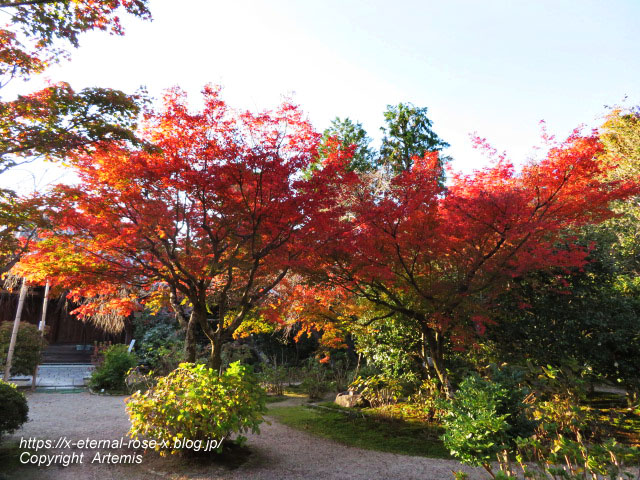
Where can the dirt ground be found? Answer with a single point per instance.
(279, 452)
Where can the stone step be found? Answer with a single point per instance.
(58, 376)
(67, 353)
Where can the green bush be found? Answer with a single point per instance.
(427, 400)
(28, 351)
(392, 348)
(14, 408)
(195, 403)
(576, 459)
(316, 381)
(111, 374)
(487, 421)
(160, 348)
(485, 418)
(273, 379)
(570, 440)
(341, 371)
(378, 390)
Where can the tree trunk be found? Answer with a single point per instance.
(14, 332)
(190, 341)
(215, 357)
(215, 336)
(425, 359)
(435, 345)
(188, 326)
(41, 327)
(443, 376)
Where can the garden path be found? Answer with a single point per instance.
(278, 453)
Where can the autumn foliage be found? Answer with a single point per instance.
(219, 209)
(209, 220)
(437, 257)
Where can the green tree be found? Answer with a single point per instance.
(620, 134)
(408, 133)
(581, 318)
(344, 134)
(19, 220)
(50, 20)
(54, 121)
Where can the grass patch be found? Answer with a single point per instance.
(406, 438)
(294, 389)
(335, 406)
(276, 398)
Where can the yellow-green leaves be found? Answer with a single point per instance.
(195, 408)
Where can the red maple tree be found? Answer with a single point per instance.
(208, 221)
(437, 257)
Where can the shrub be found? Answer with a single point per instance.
(316, 380)
(273, 379)
(196, 403)
(576, 459)
(426, 401)
(160, 348)
(570, 441)
(341, 372)
(136, 379)
(378, 390)
(111, 374)
(484, 419)
(28, 351)
(14, 408)
(390, 348)
(97, 356)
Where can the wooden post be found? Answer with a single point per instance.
(41, 325)
(14, 333)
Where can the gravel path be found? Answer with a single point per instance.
(278, 453)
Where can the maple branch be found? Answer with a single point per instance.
(410, 275)
(15, 256)
(237, 320)
(151, 248)
(502, 264)
(262, 292)
(175, 261)
(375, 296)
(215, 241)
(177, 309)
(374, 319)
(464, 287)
(223, 298)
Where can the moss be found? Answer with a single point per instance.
(406, 438)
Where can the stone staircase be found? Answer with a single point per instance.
(67, 353)
(63, 367)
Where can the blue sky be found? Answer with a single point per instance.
(492, 67)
